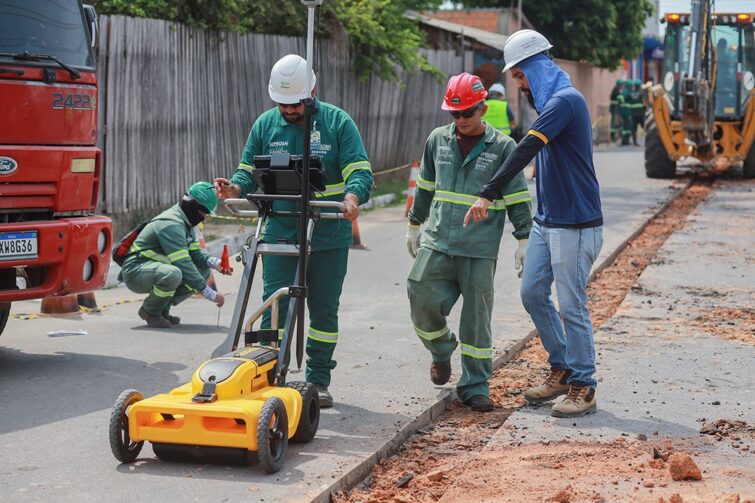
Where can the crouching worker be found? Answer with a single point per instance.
(166, 261)
(452, 260)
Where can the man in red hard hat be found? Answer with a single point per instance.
(451, 260)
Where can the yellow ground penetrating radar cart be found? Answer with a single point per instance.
(238, 404)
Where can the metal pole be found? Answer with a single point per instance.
(519, 17)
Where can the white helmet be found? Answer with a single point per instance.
(521, 45)
(497, 88)
(288, 80)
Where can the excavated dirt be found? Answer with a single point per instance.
(445, 461)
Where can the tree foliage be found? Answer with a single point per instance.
(380, 35)
(601, 32)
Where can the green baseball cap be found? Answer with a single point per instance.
(204, 193)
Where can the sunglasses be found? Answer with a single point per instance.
(468, 113)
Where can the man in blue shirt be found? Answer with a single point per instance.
(567, 234)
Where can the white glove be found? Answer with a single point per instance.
(413, 235)
(214, 263)
(209, 294)
(519, 255)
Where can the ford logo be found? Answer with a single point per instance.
(7, 165)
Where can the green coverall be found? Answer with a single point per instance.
(638, 111)
(166, 262)
(613, 108)
(454, 260)
(625, 110)
(335, 139)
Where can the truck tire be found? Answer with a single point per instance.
(4, 314)
(657, 162)
(748, 167)
(310, 412)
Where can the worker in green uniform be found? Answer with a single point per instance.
(625, 111)
(499, 114)
(637, 108)
(613, 108)
(167, 262)
(452, 260)
(336, 140)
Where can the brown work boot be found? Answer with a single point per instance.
(440, 372)
(555, 385)
(579, 401)
(152, 320)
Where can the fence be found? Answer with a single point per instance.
(176, 105)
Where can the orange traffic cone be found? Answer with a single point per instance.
(412, 187)
(356, 239)
(64, 304)
(225, 262)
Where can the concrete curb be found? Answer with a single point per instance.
(358, 473)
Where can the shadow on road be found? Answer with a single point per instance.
(41, 389)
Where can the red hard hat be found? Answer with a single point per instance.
(463, 91)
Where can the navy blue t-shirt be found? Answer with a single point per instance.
(568, 194)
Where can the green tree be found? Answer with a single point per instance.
(601, 32)
(381, 37)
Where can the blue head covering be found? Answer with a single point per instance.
(545, 78)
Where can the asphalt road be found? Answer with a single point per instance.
(57, 391)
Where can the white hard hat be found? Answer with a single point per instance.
(497, 88)
(521, 45)
(288, 80)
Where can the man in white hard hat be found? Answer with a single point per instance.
(499, 114)
(568, 231)
(336, 140)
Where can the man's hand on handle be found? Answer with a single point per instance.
(478, 211)
(226, 189)
(351, 211)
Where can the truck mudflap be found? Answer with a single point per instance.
(58, 257)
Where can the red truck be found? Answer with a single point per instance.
(51, 242)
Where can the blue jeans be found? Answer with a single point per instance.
(565, 255)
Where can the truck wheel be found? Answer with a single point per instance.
(748, 168)
(657, 162)
(123, 448)
(272, 435)
(4, 314)
(310, 412)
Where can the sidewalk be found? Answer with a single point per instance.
(677, 354)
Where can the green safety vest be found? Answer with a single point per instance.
(448, 185)
(497, 115)
(336, 140)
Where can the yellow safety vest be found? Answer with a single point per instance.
(497, 115)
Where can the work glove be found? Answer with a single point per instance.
(519, 254)
(213, 296)
(214, 263)
(413, 235)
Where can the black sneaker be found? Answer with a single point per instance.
(440, 372)
(479, 403)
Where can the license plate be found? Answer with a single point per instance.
(18, 245)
